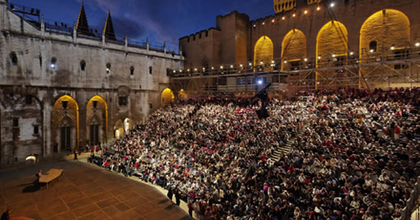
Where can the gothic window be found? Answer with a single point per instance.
(122, 100)
(132, 71)
(108, 68)
(373, 46)
(13, 58)
(82, 65)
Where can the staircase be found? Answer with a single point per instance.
(285, 149)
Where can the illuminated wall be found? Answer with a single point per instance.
(331, 40)
(293, 46)
(388, 28)
(167, 97)
(263, 51)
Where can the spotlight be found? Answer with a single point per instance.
(260, 82)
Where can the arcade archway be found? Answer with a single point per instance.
(96, 120)
(331, 50)
(293, 48)
(263, 52)
(167, 97)
(65, 120)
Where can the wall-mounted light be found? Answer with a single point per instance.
(318, 8)
(417, 44)
(371, 50)
(306, 59)
(231, 66)
(294, 15)
(283, 18)
(319, 57)
(351, 53)
(221, 67)
(392, 47)
(272, 21)
(285, 61)
(332, 4)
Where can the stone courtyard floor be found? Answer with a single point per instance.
(84, 192)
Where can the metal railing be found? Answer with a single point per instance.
(411, 202)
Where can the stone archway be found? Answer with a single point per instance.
(65, 124)
(293, 48)
(167, 97)
(118, 129)
(263, 52)
(331, 50)
(385, 34)
(96, 120)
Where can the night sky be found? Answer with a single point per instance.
(158, 20)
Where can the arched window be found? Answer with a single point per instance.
(373, 45)
(82, 65)
(108, 68)
(132, 71)
(150, 70)
(13, 58)
(53, 64)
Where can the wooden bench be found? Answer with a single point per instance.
(50, 176)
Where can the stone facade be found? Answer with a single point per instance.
(330, 40)
(60, 90)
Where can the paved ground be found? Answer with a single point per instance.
(85, 192)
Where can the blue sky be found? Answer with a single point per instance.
(158, 20)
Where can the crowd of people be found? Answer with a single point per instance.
(354, 155)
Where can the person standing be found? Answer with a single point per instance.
(75, 154)
(170, 193)
(177, 197)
